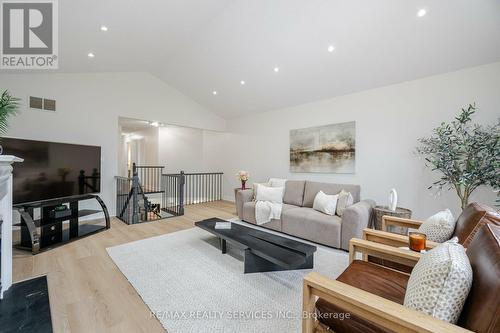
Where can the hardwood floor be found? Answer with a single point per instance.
(88, 293)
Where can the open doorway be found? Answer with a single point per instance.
(138, 144)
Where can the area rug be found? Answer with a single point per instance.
(190, 286)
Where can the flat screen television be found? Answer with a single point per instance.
(53, 170)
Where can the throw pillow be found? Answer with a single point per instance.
(255, 189)
(440, 282)
(439, 227)
(273, 194)
(325, 203)
(277, 182)
(345, 200)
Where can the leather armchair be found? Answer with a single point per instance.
(368, 297)
(472, 218)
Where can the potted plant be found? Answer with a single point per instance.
(9, 106)
(466, 154)
(243, 176)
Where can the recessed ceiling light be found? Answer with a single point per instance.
(104, 28)
(91, 55)
(242, 82)
(276, 69)
(155, 124)
(421, 12)
(214, 92)
(331, 48)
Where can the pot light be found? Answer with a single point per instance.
(422, 12)
(154, 124)
(242, 82)
(331, 48)
(276, 69)
(214, 92)
(104, 28)
(91, 55)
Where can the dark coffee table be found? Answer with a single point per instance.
(264, 252)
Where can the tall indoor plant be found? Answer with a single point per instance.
(467, 155)
(9, 106)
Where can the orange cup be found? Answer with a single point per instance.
(417, 241)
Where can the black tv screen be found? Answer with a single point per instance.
(53, 170)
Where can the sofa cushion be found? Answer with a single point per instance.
(294, 192)
(481, 312)
(312, 188)
(312, 225)
(249, 215)
(372, 278)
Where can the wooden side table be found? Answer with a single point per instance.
(380, 211)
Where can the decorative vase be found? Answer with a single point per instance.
(393, 200)
(243, 182)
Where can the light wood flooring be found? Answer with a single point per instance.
(88, 293)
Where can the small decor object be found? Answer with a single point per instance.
(328, 149)
(417, 241)
(223, 225)
(439, 227)
(440, 282)
(9, 106)
(466, 154)
(243, 176)
(393, 199)
(325, 203)
(384, 210)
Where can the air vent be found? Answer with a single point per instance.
(42, 103)
(49, 104)
(36, 102)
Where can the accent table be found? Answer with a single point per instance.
(380, 211)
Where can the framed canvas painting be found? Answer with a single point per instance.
(326, 149)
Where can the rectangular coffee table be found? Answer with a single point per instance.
(264, 252)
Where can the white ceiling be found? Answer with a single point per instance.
(198, 46)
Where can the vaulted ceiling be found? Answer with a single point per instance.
(202, 46)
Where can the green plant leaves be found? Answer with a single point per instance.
(9, 106)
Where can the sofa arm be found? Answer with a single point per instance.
(242, 196)
(354, 220)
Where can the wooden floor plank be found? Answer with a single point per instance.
(88, 293)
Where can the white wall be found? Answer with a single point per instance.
(181, 148)
(388, 122)
(88, 107)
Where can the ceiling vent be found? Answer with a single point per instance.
(42, 103)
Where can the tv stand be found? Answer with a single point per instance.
(47, 232)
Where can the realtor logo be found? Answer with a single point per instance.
(29, 34)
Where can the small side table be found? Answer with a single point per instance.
(380, 211)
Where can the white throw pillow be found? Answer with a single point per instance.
(345, 200)
(273, 194)
(255, 189)
(440, 282)
(325, 203)
(277, 182)
(439, 227)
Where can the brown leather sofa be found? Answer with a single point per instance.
(373, 295)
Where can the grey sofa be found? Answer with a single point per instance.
(300, 220)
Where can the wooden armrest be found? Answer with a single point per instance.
(382, 251)
(391, 239)
(399, 222)
(388, 314)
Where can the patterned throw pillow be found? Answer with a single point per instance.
(439, 227)
(345, 200)
(440, 282)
